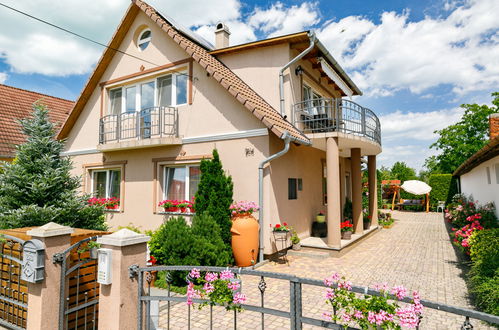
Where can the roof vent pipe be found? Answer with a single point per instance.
(222, 35)
(311, 36)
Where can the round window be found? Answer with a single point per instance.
(144, 39)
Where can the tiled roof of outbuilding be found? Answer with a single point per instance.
(16, 104)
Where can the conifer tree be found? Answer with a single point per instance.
(37, 187)
(214, 194)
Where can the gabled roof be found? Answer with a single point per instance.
(223, 75)
(16, 104)
(489, 151)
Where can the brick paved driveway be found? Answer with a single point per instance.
(416, 252)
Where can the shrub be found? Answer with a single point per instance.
(176, 243)
(443, 188)
(214, 194)
(484, 273)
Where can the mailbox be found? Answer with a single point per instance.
(104, 266)
(33, 266)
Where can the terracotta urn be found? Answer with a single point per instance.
(244, 232)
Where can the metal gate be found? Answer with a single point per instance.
(79, 295)
(13, 291)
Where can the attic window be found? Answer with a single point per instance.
(144, 39)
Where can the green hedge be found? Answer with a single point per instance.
(443, 188)
(484, 273)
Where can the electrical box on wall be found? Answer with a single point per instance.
(104, 266)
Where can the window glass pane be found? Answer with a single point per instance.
(115, 98)
(488, 175)
(306, 93)
(130, 99)
(144, 40)
(114, 185)
(145, 34)
(292, 191)
(175, 183)
(99, 184)
(165, 91)
(194, 178)
(497, 173)
(147, 95)
(181, 89)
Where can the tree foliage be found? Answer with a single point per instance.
(37, 187)
(400, 171)
(460, 141)
(214, 194)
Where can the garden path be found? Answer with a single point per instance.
(416, 253)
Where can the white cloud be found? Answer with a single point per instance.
(279, 20)
(3, 77)
(408, 135)
(461, 50)
(240, 32)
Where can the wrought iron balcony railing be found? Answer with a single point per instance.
(336, 115)
(148, 123)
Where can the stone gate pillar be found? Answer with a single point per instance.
(118, 301)
(44, 297)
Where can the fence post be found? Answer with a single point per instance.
(44, 297)
(118, 300)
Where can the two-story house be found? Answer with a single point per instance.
(161, 99)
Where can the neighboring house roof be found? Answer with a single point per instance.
(16, 104)
(228, 79)
(489, 151)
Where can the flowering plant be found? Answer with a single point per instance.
(173, 205)
(462, 236)
(370, 311)
(321, 213)
(346, 226)
(279, 227)
(111, 203)
(219, 288)
(152, 261)
(243, 208)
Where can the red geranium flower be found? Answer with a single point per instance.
(285, 223)
(278, 226)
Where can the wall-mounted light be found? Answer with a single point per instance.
(298, 70)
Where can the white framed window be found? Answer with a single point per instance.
(489, 180)
(315, 102)
(144, 39)
(181, 182)
(106, 183)
(167, 90)
(497, 173)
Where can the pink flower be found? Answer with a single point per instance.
(208, 288)
(239, 298)
(233, 285)
(381, 286)
(330, 294)
(371, 317)
(407, 317)
(346, 317)
(210, 277)
(327, 315)
(194, 273)
(358, 315)
(226, 275)
(329, 281)
(399, 291)
(345, 285)
(192, 293)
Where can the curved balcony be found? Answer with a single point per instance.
(154, 122)
(336, 115)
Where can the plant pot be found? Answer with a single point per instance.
(245, 243)
(388, 226)
(319, 229)
(321, 218)
(280, 234)
(296, 246)
(346, 234)
(367, 225)
(94, 253)
(154, 276)
(183, 209)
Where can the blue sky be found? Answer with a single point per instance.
(416, 61)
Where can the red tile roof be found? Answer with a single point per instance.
(16, 104)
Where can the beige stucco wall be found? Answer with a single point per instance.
(138, 201)
(475, 183)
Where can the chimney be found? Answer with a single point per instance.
(222, 34)
(494, 125)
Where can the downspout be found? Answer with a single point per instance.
(287, 140)
(311, 36)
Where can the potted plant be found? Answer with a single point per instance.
(168, 205)
(295, 240)
(346, 229)
(92, 247)
(281, 230)
(321, 217)
(367, 221)
(182, 206)
(244, 232)
(112, 203)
